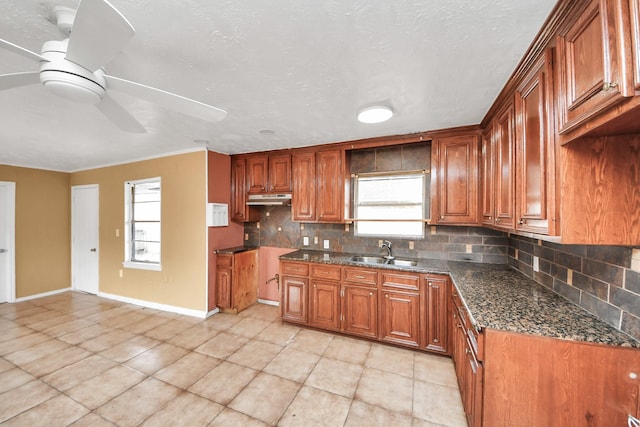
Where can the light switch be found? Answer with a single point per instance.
(305, 240)
(326, 244)
(315, 240)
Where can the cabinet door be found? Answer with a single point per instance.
(294, 299)
(505, 147)
(330, 186)
(593, 74)
(239, 209)
(303, 198)
(456, 166)
(436, 299)
(257, 174)
(223, 288)
(324, 305)
(360, 311)
(280, 174)
(535, 178)
(400, 317)
(487, 168)
(473, 391)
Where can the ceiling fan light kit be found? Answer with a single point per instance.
(73, 68)
(67, 79)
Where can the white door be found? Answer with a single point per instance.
(84, 238)
(7, 241)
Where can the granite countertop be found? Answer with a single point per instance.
(235, 249)
(502, 298)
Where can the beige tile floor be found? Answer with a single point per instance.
(76, 359)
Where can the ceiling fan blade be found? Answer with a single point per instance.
(168, 100)
(9, 81)
(99, 32)
(21, 51)
(119, 116)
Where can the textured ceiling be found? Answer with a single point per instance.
(301, 68)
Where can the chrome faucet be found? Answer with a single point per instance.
(387, 244)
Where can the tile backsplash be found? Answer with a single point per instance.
(475, 244)
(604, 280)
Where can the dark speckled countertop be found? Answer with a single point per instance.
(500, 297)
(235, 250)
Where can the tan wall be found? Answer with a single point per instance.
(182, 281)
(43, 229)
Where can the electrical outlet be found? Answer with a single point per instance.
(326, 244)
(411, 245)
(117, 232)
(315, 240)
(536, 264)
(346, 227)
(305, 240)
(379, 243)
(301, 226)
(246, 237)
(469, 248)
(121, 273)
(258, 225)
(267, 214)
(279, 228)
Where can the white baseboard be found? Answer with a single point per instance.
(269, 302)
(214, 311)
(155, 305)
(44, 294)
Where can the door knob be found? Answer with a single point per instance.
(2, 251)
(92, 249)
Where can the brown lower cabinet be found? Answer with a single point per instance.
(514, 379)
(403, 308)
(236, 280)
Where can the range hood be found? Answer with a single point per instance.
(269, 199)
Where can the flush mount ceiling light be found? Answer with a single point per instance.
(375, 114)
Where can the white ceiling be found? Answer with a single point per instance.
(301, 68)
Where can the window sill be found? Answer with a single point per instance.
(142, 266)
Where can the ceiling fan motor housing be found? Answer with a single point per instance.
(68, 79)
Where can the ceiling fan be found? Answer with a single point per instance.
(73, 68)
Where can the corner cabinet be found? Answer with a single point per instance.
(402, 308)
(455, 180)
(318, 186)
(594, 63)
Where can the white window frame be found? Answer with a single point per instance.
(128, 230)
(358, 219)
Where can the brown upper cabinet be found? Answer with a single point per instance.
(239, 209)
(504, 148)
(455, 180)
(594, 62)
(269, 174)
(318, 186)
(535, 193)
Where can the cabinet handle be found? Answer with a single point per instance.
(359, 277)
(521, 221)
(497, 220)
(609, 85)
(466, 351)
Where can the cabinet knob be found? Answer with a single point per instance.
(386, 295)
(521, 221)
(609, 85)
(370, 293)
(497, 220)
(466, 351)
(633, 375)
(435, 340)
(441, 216)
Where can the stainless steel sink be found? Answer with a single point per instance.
(403, 262)
(382, 260)
(369, 259)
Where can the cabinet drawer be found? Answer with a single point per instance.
(401, 281)
(325, 271)
(294, 268)
(359, 276)
(224, 261)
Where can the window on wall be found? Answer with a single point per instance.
(142, 224)
(390, 204)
